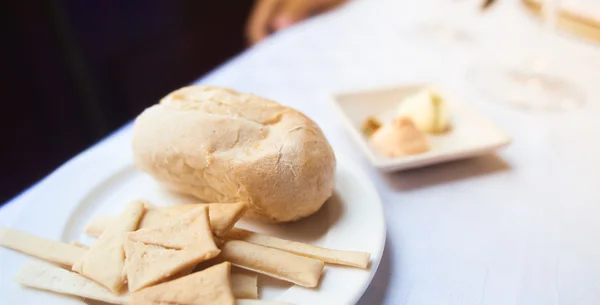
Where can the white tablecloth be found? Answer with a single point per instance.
(519, 227)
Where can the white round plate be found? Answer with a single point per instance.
(102, 182)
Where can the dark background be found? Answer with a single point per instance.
(75, 70)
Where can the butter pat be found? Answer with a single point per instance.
(427, 110)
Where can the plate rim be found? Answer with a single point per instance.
(375, 262)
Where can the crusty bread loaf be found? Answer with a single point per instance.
(220, 145)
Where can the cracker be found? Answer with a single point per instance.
(222, 217)
(209, 286)
(55, 279)
(190, 230)
(48, 250)
(105, 260)
(338, 257)
(244, 286)
(154, 255)
(279, 264)
(147, 265)
(156, 218)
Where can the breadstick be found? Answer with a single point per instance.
(339, 257)
(48, 250)
(279, 264)
(55, 279)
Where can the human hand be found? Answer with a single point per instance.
(269, 16)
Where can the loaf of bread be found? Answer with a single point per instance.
(220, 145)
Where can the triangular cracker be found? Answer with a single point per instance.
(147, 265)
(209, 286)
(155, 218)
(222, 217)
(105, 260)
(156, 254)
(190, 230)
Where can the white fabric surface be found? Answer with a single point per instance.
(587, 8)
(519, 227)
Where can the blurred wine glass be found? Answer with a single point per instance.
(530, 84)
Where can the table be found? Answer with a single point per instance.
(518, 227)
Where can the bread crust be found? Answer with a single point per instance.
(220, 145)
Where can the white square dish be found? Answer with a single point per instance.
(471, 134)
